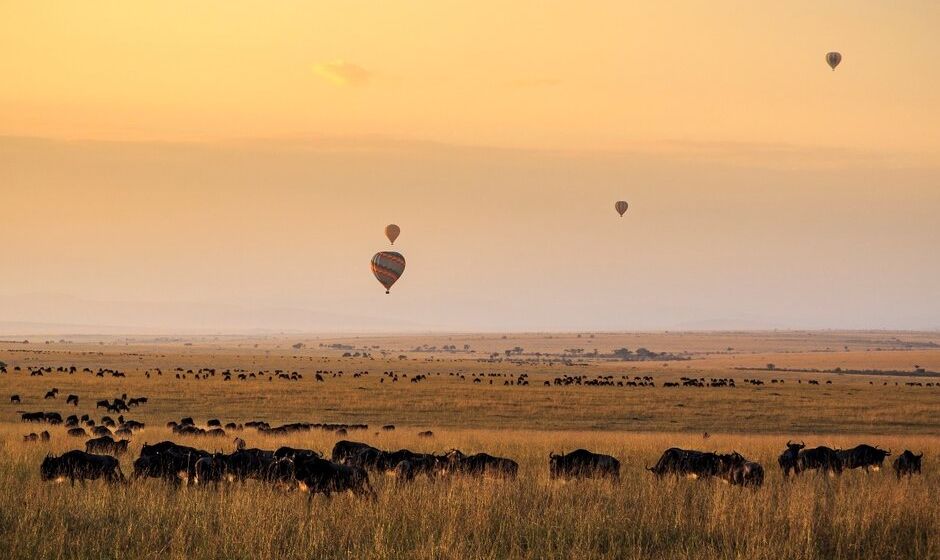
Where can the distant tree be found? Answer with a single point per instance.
(771, 367)
(622, 353)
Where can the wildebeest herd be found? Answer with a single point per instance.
(350, 463)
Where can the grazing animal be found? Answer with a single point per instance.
(72, 399)
(481, 464)
(819, 458)
(788, 460)
(691, 463)
(583, 464)
(51, 394)
(907, 464)
(426, 434)
(14, 399)
(321, 476)
(862, 457)
(747, 474)
(79, 465)
(77, 432)
(106, 444)
(345, 449)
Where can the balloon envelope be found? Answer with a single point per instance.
(621, 207)
(388, 266)
(392, 232)
(833, 59)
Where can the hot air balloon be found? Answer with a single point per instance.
(833, 59)
(392, 232)
(388, 267)
(621, 207)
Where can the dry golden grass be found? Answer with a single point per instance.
(854, 516)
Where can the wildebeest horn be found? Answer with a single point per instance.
(921, 455)
(803, 444)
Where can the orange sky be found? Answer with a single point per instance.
(250, 153)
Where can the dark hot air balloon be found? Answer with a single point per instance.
(621, 207)
(392, 232)
(388, 267)
(833, 59)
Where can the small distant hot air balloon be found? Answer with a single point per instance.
(833, 59)
(392, 232)
(388, 267)
(621, 207)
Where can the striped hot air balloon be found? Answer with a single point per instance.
(392, 232)
(388, 267)
(621, 207)
(833, 59)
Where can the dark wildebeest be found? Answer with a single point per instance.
(77, 432)
(345, 449)
(104, 403)
(748, 473)
(285, 452)
(51, 394)
(583, 464)
(78, 465)
(428, 433)
(106, 444)
(101, 431)
(14, 399)
(788, 460)
(691, 463)
(862, 457)
(52, 417)
(250, 463)
(388, 427)
(481, 464)
(211, 468)
(32, 416)
(168, 460)
(819, 458)
(907, 464)
(407, 470)
(317, 475)
(72, 399)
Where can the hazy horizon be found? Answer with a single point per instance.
(169, 166)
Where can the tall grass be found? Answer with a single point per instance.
(854, 516)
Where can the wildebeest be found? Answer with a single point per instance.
(77, 432)
(345, 449)
(788, 460)
(14, 399)
(907, 464)
(481, 464)
(581, 463)
(407, 470)
(72, 399)
(51, 394)
(32, 416)
(106, 444)
(684, 462)
(78, 465)
(101, 431)
(748, 473)
(862, 457)
(168, 460)
(819, 458)
(285, 452)
(426, 434)
(44, 436)
(321, 476)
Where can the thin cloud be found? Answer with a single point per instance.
(342, 73)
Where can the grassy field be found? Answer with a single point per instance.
(868, 515)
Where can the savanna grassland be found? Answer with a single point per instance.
(858, 515)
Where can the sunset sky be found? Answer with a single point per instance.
(231, 165)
